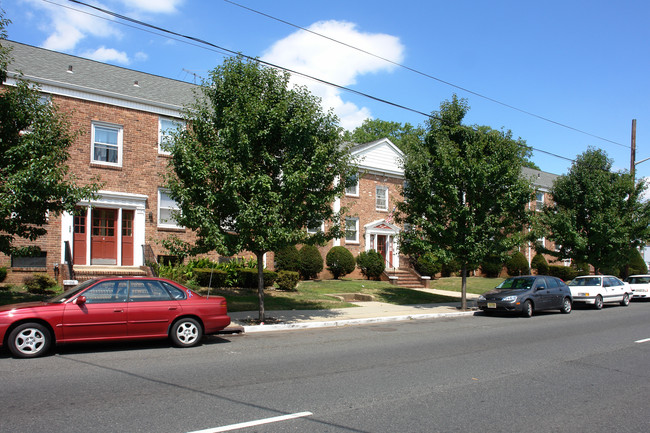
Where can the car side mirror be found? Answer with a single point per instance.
(80, 300)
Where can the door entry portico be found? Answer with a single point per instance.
(381, 236)
(103, 242)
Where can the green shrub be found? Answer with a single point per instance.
(492, 266)
(565, 273)
(428, 265)
(3, 274)
(371, 264)
(340, 262)
(311, 262)
(248, 278)
(450, 268)
(210, 277)
(517, 265)
(288, 259)
(39, 283)
(636, 264)
(540, 264)
(287, 280)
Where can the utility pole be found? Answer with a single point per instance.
(633, 147)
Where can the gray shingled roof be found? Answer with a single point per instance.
(50, 67)
(539, 178)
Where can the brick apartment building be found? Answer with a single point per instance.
(123, 116)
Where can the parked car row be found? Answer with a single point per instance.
(527, 294)
(119, 308)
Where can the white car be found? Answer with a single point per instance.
(599, 289)
(640, 285)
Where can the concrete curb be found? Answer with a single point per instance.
(347, 322)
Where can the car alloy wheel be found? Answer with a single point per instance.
(29, 340)
(186, 332)
(626, 300)
(598, 303)
(566, 306)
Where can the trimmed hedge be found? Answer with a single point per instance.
(288, 259)
(371, 264)
(449, 268)
(340, 262)
(39, 283)
(202, 277)
(287, 280)
(540, 264)
(428, 265)
(248, 278)
(311, 262)
(517, 265)
(492, 266)
(565, 273)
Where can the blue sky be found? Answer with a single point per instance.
(583, 64)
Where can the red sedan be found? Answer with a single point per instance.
(120, 308)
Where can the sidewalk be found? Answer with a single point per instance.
(364, 312)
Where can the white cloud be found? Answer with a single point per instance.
(156, 6)
(103, 54)
(322, 58)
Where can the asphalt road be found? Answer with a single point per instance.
(584, 372)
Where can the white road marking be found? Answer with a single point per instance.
(254, 423)
(643, 341)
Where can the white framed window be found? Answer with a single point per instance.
(318, 228)
(165, 126)
(542, 241)
(381, 197)
(166, 209)
(352, 230)
(106, 144)
(539, 200)
(354, 189)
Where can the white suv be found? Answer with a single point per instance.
(598, 289)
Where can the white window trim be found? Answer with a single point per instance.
(120, 143)
(356, 189)
(320, 229)
(356, 228)
(377, 188)
(539, 208)
(166, 225)
(160, 132)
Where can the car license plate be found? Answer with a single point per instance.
(492, 304)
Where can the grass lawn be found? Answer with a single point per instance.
(314, 295)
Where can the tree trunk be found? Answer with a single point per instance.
(463, 290)
(260, 283)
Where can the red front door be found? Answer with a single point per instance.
(79, 239)
(103, 242)
(384, 249)
(127, 238)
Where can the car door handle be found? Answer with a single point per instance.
(118, 311)
(172, 308)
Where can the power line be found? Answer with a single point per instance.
(217, 48)
(424, 74)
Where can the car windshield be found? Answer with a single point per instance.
(638, 280)
(70, 293)
(588, 281)
(517, 284)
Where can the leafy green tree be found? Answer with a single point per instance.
(257, 164)
(35, 183)
(465, 196)
(375, 129)
(340, 262)
(596, 215)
